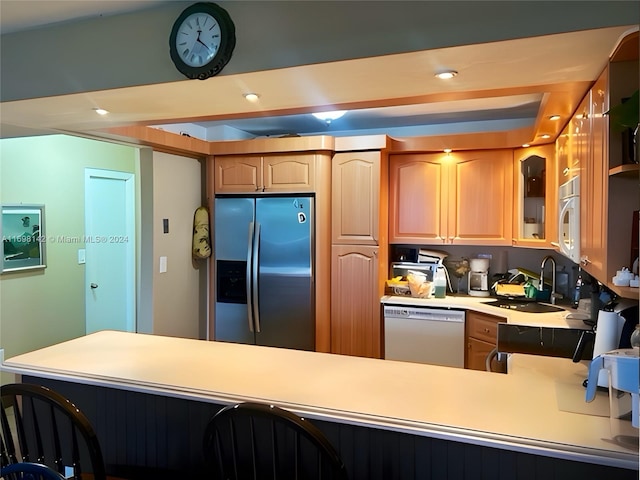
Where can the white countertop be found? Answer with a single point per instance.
(553, 319)
(518, 411)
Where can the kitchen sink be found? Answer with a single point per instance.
(522, 306)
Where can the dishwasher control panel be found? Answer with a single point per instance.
(425, 313)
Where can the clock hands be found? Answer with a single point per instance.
(201, 42)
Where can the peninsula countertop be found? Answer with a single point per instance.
(518, 411)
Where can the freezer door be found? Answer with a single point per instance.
(285, 272)
(233, 219)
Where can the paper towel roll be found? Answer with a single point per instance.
(608, 333)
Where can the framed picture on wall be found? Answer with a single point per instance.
(23, 237)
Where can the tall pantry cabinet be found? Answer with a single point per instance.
(359, 255)
(609, 176)
(593, 186)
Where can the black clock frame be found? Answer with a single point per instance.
(227, 41)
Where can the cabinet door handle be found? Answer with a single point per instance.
(486, 330)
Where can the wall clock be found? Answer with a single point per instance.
(202, 40)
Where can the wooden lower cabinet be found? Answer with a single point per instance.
(356, 321)
(476, 354)
(481, 334)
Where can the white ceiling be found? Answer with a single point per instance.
(501, 86)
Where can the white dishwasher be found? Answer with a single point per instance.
(424, 335)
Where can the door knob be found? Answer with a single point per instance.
(94, 285)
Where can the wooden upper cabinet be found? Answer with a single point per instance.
(289, 173)
(355, 198)
(268, 173)
(238, 174)
(480, 198)
(461, 198)
(535, 196)
(417, 210)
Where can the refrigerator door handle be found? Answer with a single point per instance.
(256, 252)
(249, 277)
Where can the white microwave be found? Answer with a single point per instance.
(569, 219)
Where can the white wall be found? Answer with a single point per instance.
(176, 293)
(49, 170)
(42, 307)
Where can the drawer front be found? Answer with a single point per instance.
(483, 327)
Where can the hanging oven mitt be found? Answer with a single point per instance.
(201, 242)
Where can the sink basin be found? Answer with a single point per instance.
(521, 306)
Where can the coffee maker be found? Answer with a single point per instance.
(479, 277)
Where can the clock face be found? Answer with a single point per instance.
(198, 39)
(202, 40)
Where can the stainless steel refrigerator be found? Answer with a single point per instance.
(264, 271)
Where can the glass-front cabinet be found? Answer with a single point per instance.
(535, 197)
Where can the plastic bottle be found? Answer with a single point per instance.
(635, 337)
(577, 289)
(439, 283)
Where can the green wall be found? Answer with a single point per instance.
(42, 307)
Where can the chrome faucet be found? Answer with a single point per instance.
(554, 295)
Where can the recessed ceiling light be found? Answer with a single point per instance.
(554, 117)
(252, 97)
(328, 117)
(101, 111)
(447, 74)
(525, 145)
(545, 135)
(447, 150)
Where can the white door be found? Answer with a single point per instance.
(110, 249)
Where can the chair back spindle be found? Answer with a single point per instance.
(39, 425)
(264, 442)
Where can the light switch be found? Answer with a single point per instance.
(82, 259)
(163, 264)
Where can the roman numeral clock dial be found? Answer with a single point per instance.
(202, 40)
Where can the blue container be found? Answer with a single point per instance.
(544, 295)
